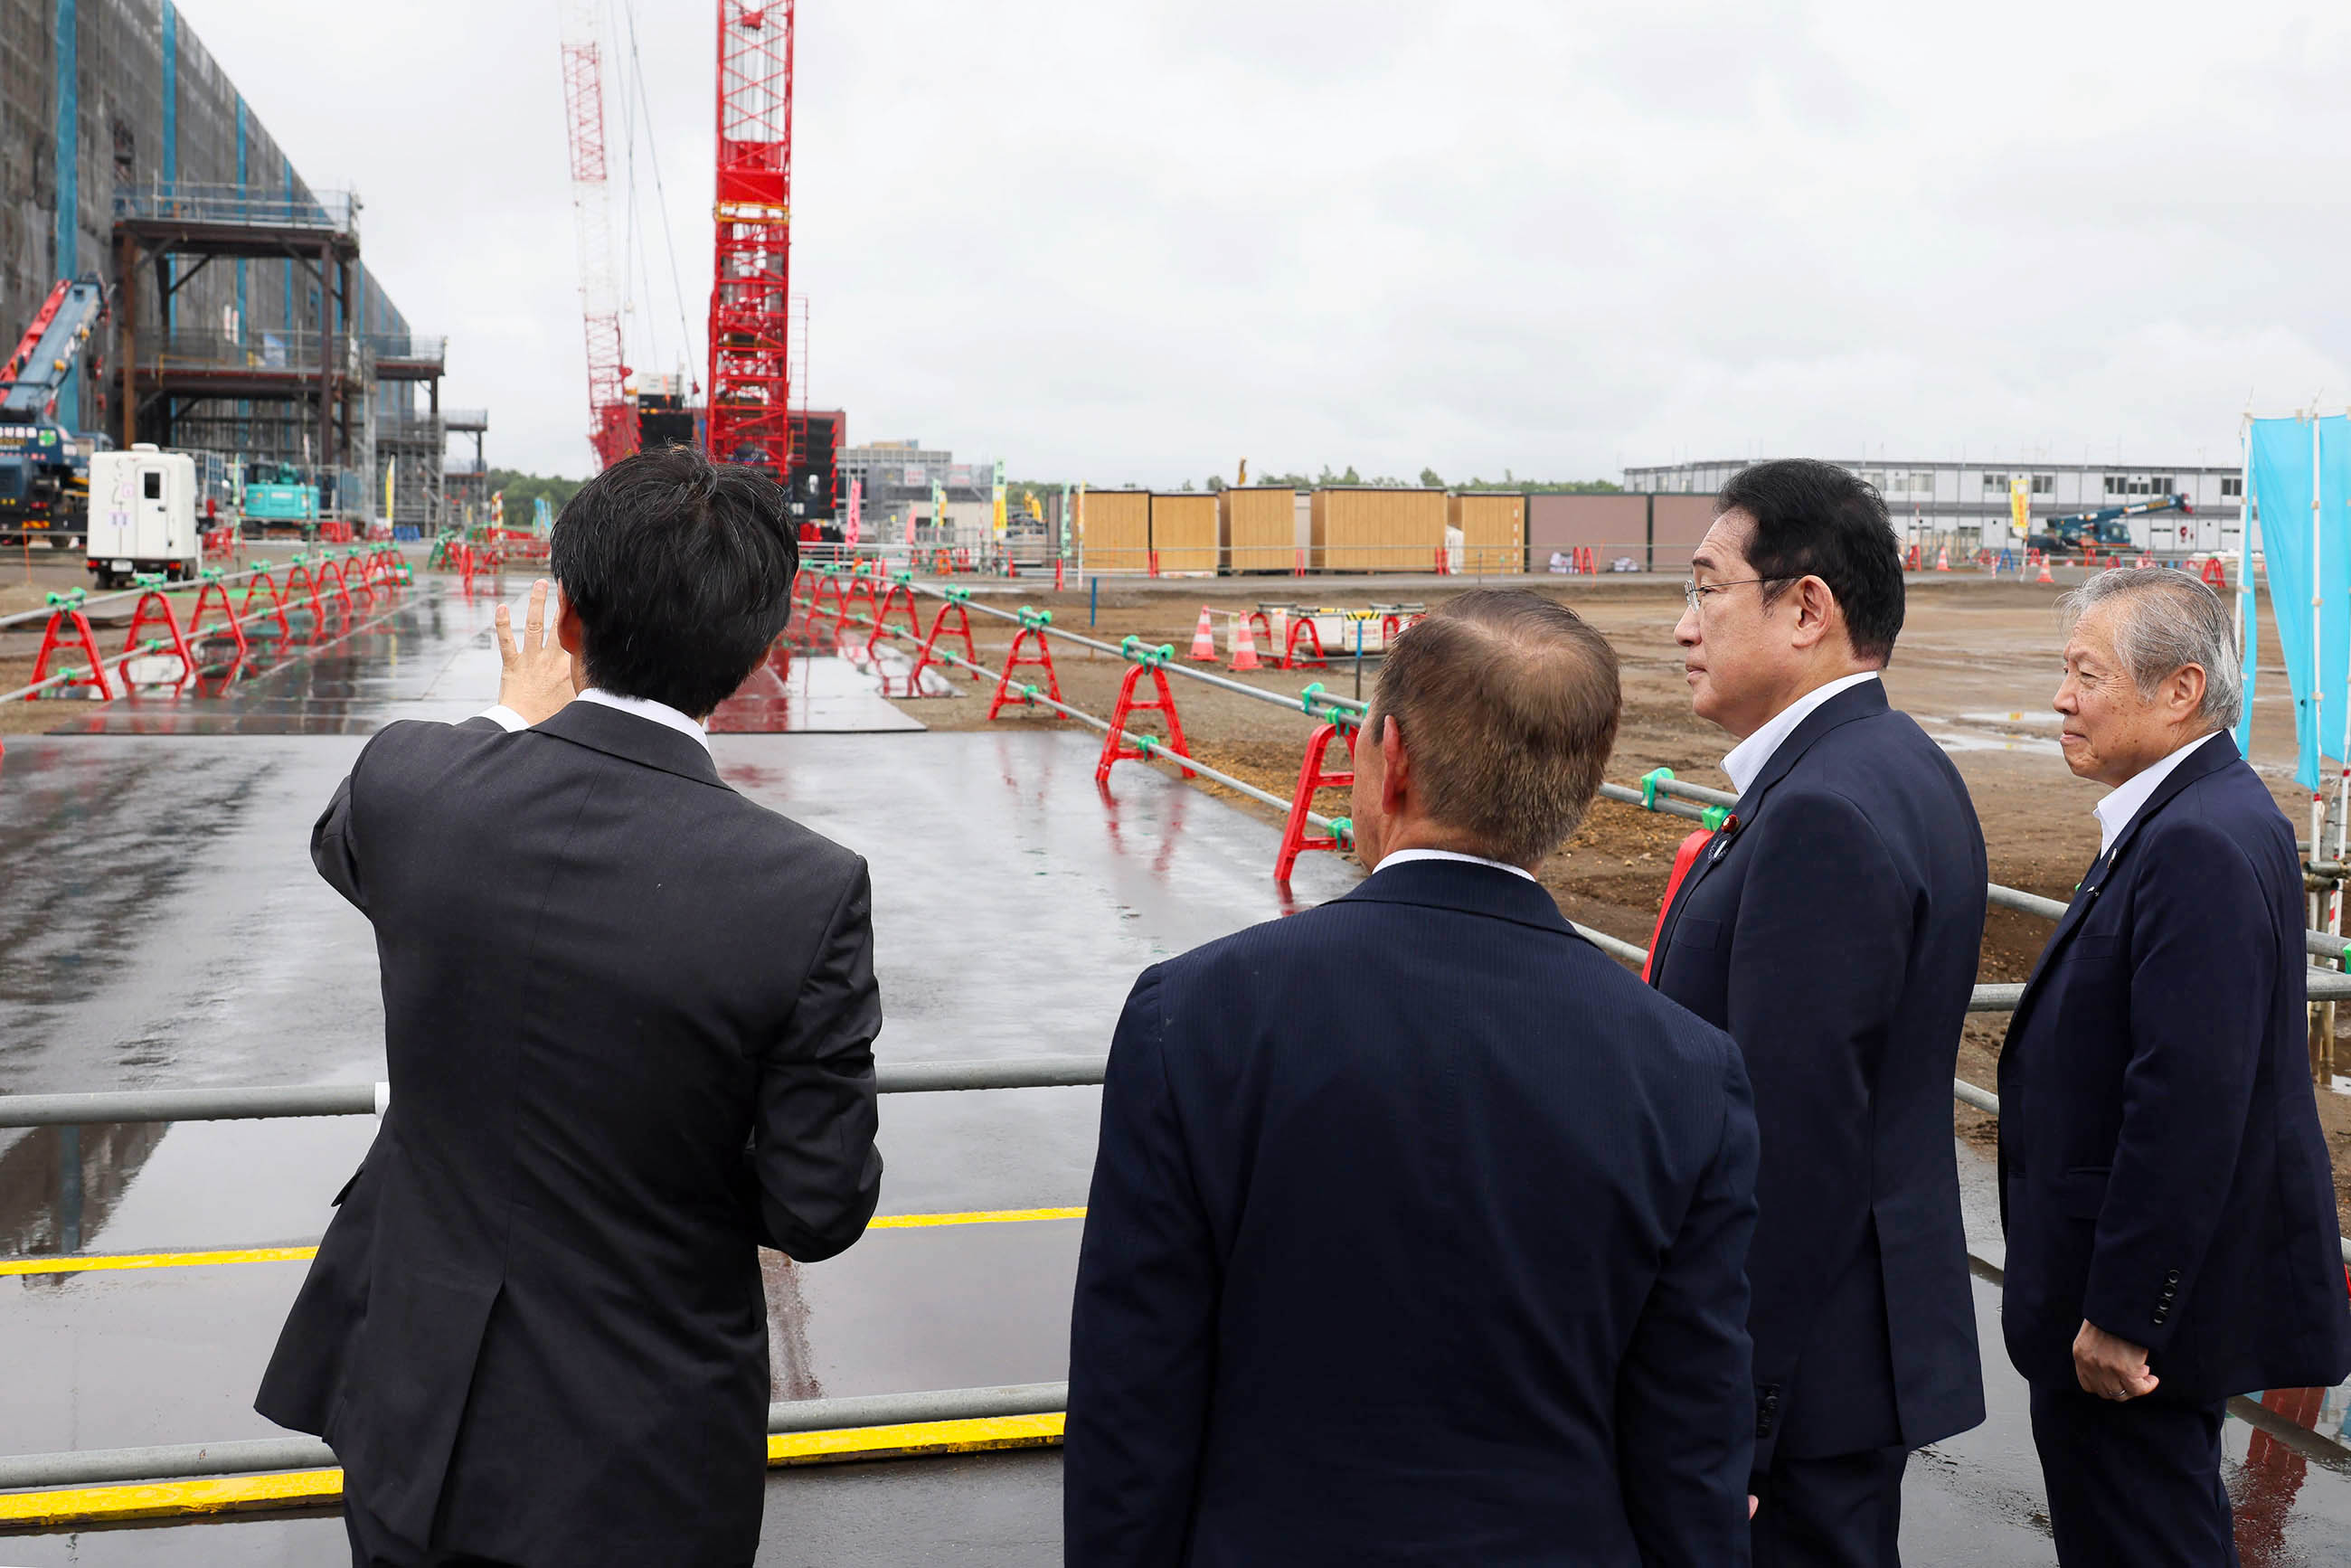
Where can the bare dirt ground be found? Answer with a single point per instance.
(1977, 665)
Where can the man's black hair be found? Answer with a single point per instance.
(1816, 519)
(681, 571)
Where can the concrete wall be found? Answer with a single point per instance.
(97, 92)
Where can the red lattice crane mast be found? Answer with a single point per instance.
(750, 318)
(611, 413)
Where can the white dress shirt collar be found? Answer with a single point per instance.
(1748, 759)
(643, 707)
(646, 707)
(1399, 857)
(2129, 798)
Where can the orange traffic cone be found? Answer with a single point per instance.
(1204, 640)
(1942, 558)
(1244, 646)
(2045, 576)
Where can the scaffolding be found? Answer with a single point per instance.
(308, 382)
(335, 400)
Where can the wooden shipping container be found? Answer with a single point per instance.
(1613, 526)
(1257, 528)
(1371, 530)
(1493, 531)
(1114, 531)
(1184, 534)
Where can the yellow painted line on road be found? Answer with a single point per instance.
(976, 1217)
(164, 1500)
(100, 1262)
(915, 1439)
(314, 1489)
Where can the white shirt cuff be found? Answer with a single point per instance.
(506, 718)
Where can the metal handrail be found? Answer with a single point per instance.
(1240, 688)
(363, 1099)
(1154, 747)
(97, 1467)
(2331, 946)
(185, 585)
(1986, 1102)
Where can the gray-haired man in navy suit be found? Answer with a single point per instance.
(2170, 1210)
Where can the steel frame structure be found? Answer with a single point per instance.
(750, 311)
(611, 412)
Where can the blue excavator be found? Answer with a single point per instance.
(2105, 532)
(44, 468)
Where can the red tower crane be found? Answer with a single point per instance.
(750, 317)
(611, 414)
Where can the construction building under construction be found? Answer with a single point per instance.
(241, 316)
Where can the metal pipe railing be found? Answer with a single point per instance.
(1986, 1102)
(186, 585)
(1240, 688)
(282, 607)
(366, 1099)
(1153, 746)
(98, 1467)
(2316, 944)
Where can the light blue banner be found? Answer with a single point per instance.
(2282, 472)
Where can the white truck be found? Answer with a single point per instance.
(143, 514)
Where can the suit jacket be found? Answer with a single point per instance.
(1833, 931)
(2162, 1171)
(630, 1017)
(1415, 1236)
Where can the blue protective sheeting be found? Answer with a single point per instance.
(2281, 453)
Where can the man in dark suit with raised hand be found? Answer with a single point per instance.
(1833, 927)
(629, 1019)
(1417, 1223)
(2169, 1207)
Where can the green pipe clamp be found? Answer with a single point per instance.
(1713, 817)
(1649, 782)
(69, 600)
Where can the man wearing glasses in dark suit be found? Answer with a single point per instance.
(1832, 928)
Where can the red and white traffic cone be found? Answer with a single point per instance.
(2045, 576)
(1942, 558)
(1244, 646)
(1203, 638)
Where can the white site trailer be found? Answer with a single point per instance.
(143, 514)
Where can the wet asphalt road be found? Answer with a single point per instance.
(160, 925)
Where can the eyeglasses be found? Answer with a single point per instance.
(1695, 593)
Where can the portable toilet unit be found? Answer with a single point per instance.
(143, 514)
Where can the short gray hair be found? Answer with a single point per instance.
(2170, 619)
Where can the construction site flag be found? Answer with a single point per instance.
(1203, 638)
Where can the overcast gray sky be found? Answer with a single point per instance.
(1137, 240)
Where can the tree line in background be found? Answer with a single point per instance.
(521, 489)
